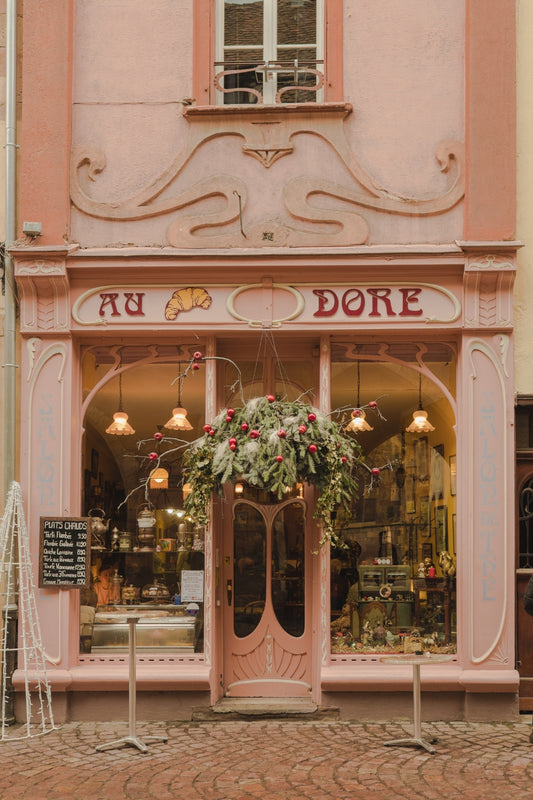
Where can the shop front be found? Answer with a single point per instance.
(251, 601)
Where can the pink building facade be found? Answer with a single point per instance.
(321, 193)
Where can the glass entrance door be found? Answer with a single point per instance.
(266, 617)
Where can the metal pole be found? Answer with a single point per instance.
(10, 609)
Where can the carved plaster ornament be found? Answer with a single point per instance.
(268, 135)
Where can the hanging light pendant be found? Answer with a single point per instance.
(159, 478)
(120, 425)
(178, 421)
(420, 423)
(358, 421)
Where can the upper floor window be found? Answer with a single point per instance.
(269, 51)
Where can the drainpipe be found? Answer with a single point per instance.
(9, 611)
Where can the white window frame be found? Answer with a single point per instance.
(270, 46)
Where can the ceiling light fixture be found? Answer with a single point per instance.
(120, 425)
(420, 423)
(178, 421)
(358, 421)
(159, 478)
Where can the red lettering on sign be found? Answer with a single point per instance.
(134, 307)
(109, 299)
(410, 296)
(349, 298)
(383, 295)
(323, 300)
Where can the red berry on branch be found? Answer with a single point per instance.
(232, 446)
(357, 412)
(282, 434)
(197, 355)
(211, 432)
(311, 417)
(233, 440)
(228, 418)
(313, 448)
(230, 412)
(152, 456)
(375, 470)
(244, 426)
(196, 365)
(279, 459)
(158, 436)
(373, 404)
(302, 428)
(344, 459)
(206, 428)
(270, 398)
(254, 434)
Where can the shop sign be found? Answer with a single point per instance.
(267, 304)
(64, 551)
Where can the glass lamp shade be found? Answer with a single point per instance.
(120, 425)
(159, 478)
(178, 420)
(420, 423)
(358, 422)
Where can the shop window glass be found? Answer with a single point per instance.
(269, 51)
(147, 557)
(392, 582)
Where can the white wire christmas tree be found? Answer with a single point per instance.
(17, 587)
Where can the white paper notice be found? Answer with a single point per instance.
(192, 586)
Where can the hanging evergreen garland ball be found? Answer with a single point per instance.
(152, 456)
(158, 436)
(267, 446)
(197, 355)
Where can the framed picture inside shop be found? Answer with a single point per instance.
(441, 528)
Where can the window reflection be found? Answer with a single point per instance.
(249, 572)
(288, 568)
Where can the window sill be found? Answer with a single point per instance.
(307, 110)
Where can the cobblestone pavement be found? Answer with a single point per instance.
(278, 760)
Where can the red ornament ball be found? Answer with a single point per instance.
(270, 398)
(281, 433)
(344, 459)
(206, 428)
(230, 412)
(302, 428)
(233, 447)
(211, 432)
(158, 436)
(375, 470)
(244, 426)
(313, 448)
(197, 355)
(228, 418)
(152, 456)
(196, 365)
(254, 434)
(279, 459)
(357, 412)
(233, 440)
(311, 417)
(373, 404)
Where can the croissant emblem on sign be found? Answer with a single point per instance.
(186, 299)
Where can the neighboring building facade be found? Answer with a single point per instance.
(319, 197)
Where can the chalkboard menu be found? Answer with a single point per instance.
(64, 551)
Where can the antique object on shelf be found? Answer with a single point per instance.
(115, 539)
(99, 528)
(155, 592)
(146, 522)
(125, 541)
(115, 588)
(130, 595)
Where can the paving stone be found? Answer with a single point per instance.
(274, 759)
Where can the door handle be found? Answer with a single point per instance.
(229, 591)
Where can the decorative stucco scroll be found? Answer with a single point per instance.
(268, 134)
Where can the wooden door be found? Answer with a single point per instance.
(267, 613)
